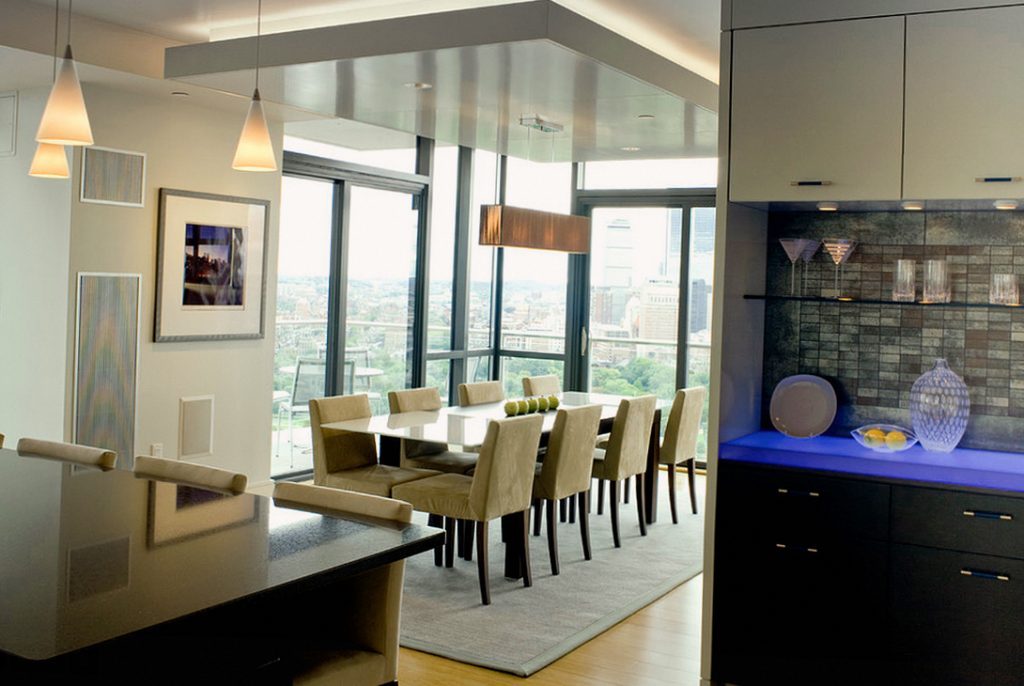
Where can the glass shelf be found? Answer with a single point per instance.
(855, 301)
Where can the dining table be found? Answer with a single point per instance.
(112, 578)
(466, 427)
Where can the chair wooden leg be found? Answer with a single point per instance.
(672, 492)
(600, 496)
(460, 538)
(690, 468)
(552, 537)
(481, 563)
(527, 569)
(572, 509)
(625, 490)
(437, 521)
(449, 542)
(563, 510)
(467, 543)
(641, 511)
(538, 504)
(584, 507)
(613, 505)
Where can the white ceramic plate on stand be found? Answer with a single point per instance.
(803, 406)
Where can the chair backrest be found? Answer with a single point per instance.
(1, 440)
(425, 399)
(541, 385)
(480, 393)
(570, 456)
(503, 481)
(68, 452)
(189, 474)
(335, 451)
(683, 426)
(336, 500)
(626, 454)
(310, 375)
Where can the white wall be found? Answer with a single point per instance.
(188, 148)
(34, 244)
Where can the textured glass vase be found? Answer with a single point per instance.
(939, 407)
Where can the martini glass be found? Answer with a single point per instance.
(810, 250)
(794, 248)
(839, 249)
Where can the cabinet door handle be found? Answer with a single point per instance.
(811, 182)
(806, 494)
(797, 548)
(980, 574)
(997, 179)
(982, 514)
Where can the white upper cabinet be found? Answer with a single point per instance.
(817, 111)
(965, 105)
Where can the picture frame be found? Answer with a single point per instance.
(112, 177)
(211, 270)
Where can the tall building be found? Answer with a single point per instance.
(673, 243)
(618, 256)
(659, 310)
(700, 296)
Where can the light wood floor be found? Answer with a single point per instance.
(657, 646)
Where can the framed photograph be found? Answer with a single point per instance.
(178, 512)
(211, 267)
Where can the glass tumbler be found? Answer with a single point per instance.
(936, 282)
(904, 290)
(1004, 290)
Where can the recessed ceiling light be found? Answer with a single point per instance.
(1006, 204)
(912, 205)
(180, 94)
(828, 206)
(630, 148)
(419, 85)
(645, 116)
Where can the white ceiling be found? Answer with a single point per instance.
(684, 31)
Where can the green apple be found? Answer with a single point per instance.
(524, 407)
(532, 404)
(542, 404)
(511, 408)
(553, 402)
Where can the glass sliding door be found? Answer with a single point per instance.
(304, 268)
(701, 254)
(381, 230)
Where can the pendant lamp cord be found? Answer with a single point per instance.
(70, 2)
(56, 37)
(259, 28)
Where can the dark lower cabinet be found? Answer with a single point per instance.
(957, 618)
(821, 579)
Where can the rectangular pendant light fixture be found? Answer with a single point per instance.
(516, 227)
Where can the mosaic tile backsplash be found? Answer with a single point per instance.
(873, 353)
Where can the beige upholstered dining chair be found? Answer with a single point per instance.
(502, 485)
(68, 452)
(626, 456)
(348, 460)
(566, 470)
(189, 474)
(424, 454)
(480, 393)
(541, 385)
(1, 440)
(680, 443)
(363, 649)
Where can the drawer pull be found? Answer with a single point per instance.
(981, 514)
(808, 494)
(815, 182)
(783, 546)
(994, 576)
(997, 179)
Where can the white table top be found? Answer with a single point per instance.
(465, 426)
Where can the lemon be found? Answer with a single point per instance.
(874, 438)
(896, 440)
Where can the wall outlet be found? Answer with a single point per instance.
(156, 449)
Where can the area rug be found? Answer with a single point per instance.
(525, 629)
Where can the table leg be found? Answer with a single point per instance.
(514, 536)
(391, 451)
(651, 475)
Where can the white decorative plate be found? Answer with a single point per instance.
(803, 406)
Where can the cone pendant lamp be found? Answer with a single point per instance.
(255, 152)
(49, 162)
(65, 120)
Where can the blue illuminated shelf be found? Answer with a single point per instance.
(857, 301)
